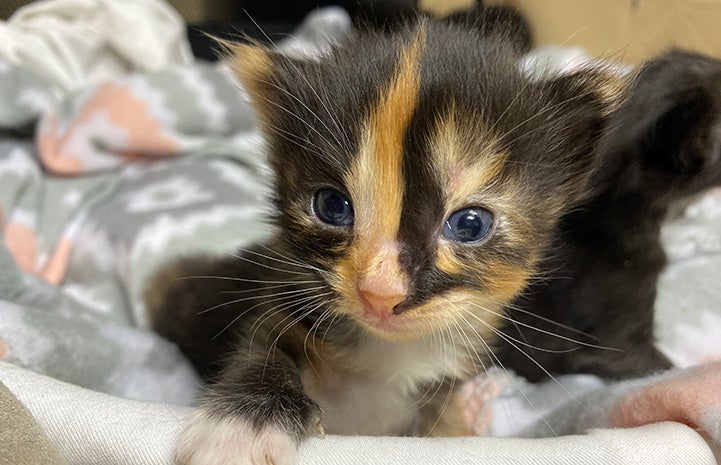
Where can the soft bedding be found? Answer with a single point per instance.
(92, 428)
(100, 187)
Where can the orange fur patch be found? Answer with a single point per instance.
(507, 281)
(252, 65)
(469, 160)
(502, 281)
(448, 261)
(376, 183)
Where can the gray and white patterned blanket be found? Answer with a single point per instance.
(101, 187)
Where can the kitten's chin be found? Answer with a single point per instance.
(390, 327)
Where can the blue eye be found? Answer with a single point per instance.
(332, 207)
(468, 225)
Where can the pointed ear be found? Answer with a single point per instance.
(254, 67)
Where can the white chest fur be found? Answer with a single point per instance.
(374, 390)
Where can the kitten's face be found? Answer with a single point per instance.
(422, 172)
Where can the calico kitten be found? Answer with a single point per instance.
(663, 149)
(419, 177)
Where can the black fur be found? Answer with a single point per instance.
(497, 19)
(663, 149)
(252, 374)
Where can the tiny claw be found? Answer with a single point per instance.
(320, 428)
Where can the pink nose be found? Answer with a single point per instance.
(381, 304)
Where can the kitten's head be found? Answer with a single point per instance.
(421, 171)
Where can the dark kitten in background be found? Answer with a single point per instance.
(662, 150)
(420, 179)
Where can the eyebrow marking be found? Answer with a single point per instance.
(467, 157)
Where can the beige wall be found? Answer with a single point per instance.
(632, 30)
(443, 7)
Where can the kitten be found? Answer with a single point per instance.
(663, 149)
(419, 177)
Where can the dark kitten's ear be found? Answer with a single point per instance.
(380, 15)
(497, 21)
(667, 139)
(582, 104)
(673, 115)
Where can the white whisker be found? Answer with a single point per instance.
(292, 263)
(243, 299)
(263, 288)
(272, 347)
(535, 362)
(275, 311)
(246, 280)
(547, 332)
(244, 312)
(240, 257)
(511, 377)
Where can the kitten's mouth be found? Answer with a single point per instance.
(380, 320)
(391, 327)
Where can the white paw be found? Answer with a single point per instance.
(232, 441)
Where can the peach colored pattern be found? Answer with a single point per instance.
(683, 399)
(50, 149)
(4, 349)
(123, 109)
(55, 268)
(23, 245)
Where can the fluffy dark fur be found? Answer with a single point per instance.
(663, 149)
(413, 125)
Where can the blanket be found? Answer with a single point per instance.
(93, 428)
(21, 438)
(102, 186)
(73, 43)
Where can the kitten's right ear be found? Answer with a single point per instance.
(581, 107)
(273, 80)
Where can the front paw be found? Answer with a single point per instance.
(214, 440)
